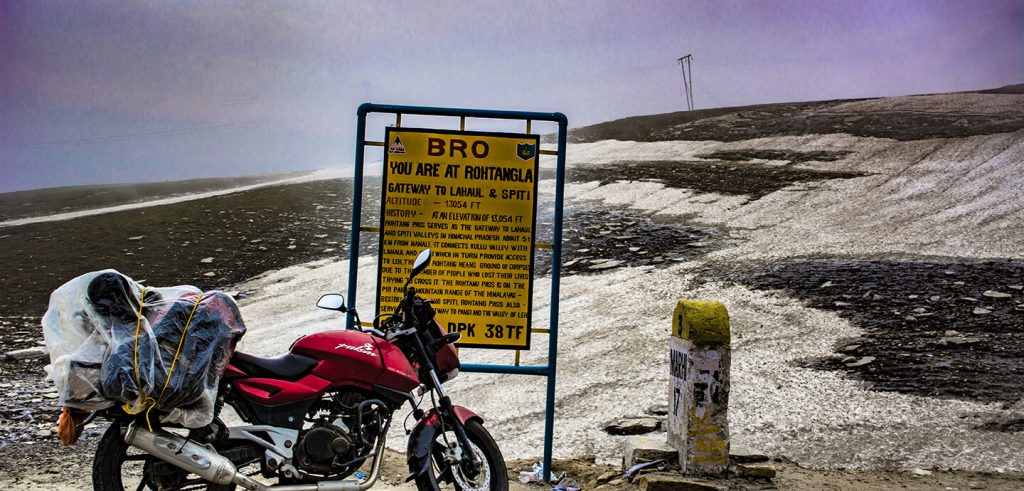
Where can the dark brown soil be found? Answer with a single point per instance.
(937, 328)
(793, 156)
(39, 202)
(595, 240)
(723, 177)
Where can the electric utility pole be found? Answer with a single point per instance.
(684, 63)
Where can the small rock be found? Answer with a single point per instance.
(607, 477)
(951, 332)
(660, 409)
(920, 310)
(842, 304)
(910, 318)
(981, 311)
(25, 354)
(861, 362)
(826, 284)
(206, 260)
(632, 426)
(934, 298)
(959, 283)
(137, 237)
(959, 340)
(920, 472)
(255, 241)
(995, 294)
(41, 434)
(742, 454)
(761, 471)
(850, 348)
(638, 449)
(290, 247)
(1015, 287)
(969, 299)
(209, 274)
(608, 263)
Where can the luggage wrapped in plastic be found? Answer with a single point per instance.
(167, 354)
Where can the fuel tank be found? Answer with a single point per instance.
(357, 358)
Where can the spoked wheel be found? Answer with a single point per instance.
(492, 475)
(118, 467)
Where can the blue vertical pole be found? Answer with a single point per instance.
(357, 208)
(556, 272)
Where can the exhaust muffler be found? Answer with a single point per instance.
(190, 456)
(206, 463)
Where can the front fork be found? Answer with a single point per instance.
(472, 463)
(431, 424)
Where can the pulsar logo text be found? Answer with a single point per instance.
(366, 349)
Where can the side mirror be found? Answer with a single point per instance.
(332, 301)
(421, 263)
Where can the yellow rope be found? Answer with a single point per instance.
(148, 403)
(138, 327)
(135, 361)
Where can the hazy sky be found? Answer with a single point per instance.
(95, 92)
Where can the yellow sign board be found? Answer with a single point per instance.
(471, 198)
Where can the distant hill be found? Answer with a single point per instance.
(1006, 89)
(900, 118)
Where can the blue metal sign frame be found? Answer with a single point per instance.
(548, 370)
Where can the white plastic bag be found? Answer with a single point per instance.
(167, 355)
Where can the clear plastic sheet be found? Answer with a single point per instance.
(103, 354)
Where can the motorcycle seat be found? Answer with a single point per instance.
(288, 366)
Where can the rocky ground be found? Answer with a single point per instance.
(939, 326)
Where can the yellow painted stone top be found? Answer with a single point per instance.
(702, 322)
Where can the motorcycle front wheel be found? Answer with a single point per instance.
(493, 475)
(118, 467)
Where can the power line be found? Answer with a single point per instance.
(684, 64)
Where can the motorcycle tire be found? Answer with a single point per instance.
(493, 475)
(115, 468)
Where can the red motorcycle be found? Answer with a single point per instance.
(317, 414)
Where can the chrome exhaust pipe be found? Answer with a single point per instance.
(206, 463)
(202, 461)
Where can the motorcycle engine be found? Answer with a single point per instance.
(320, 446)
(332, 445)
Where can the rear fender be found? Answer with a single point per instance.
(422, 438)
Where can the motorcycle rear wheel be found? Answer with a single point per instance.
(119, 467)
(493, 475)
